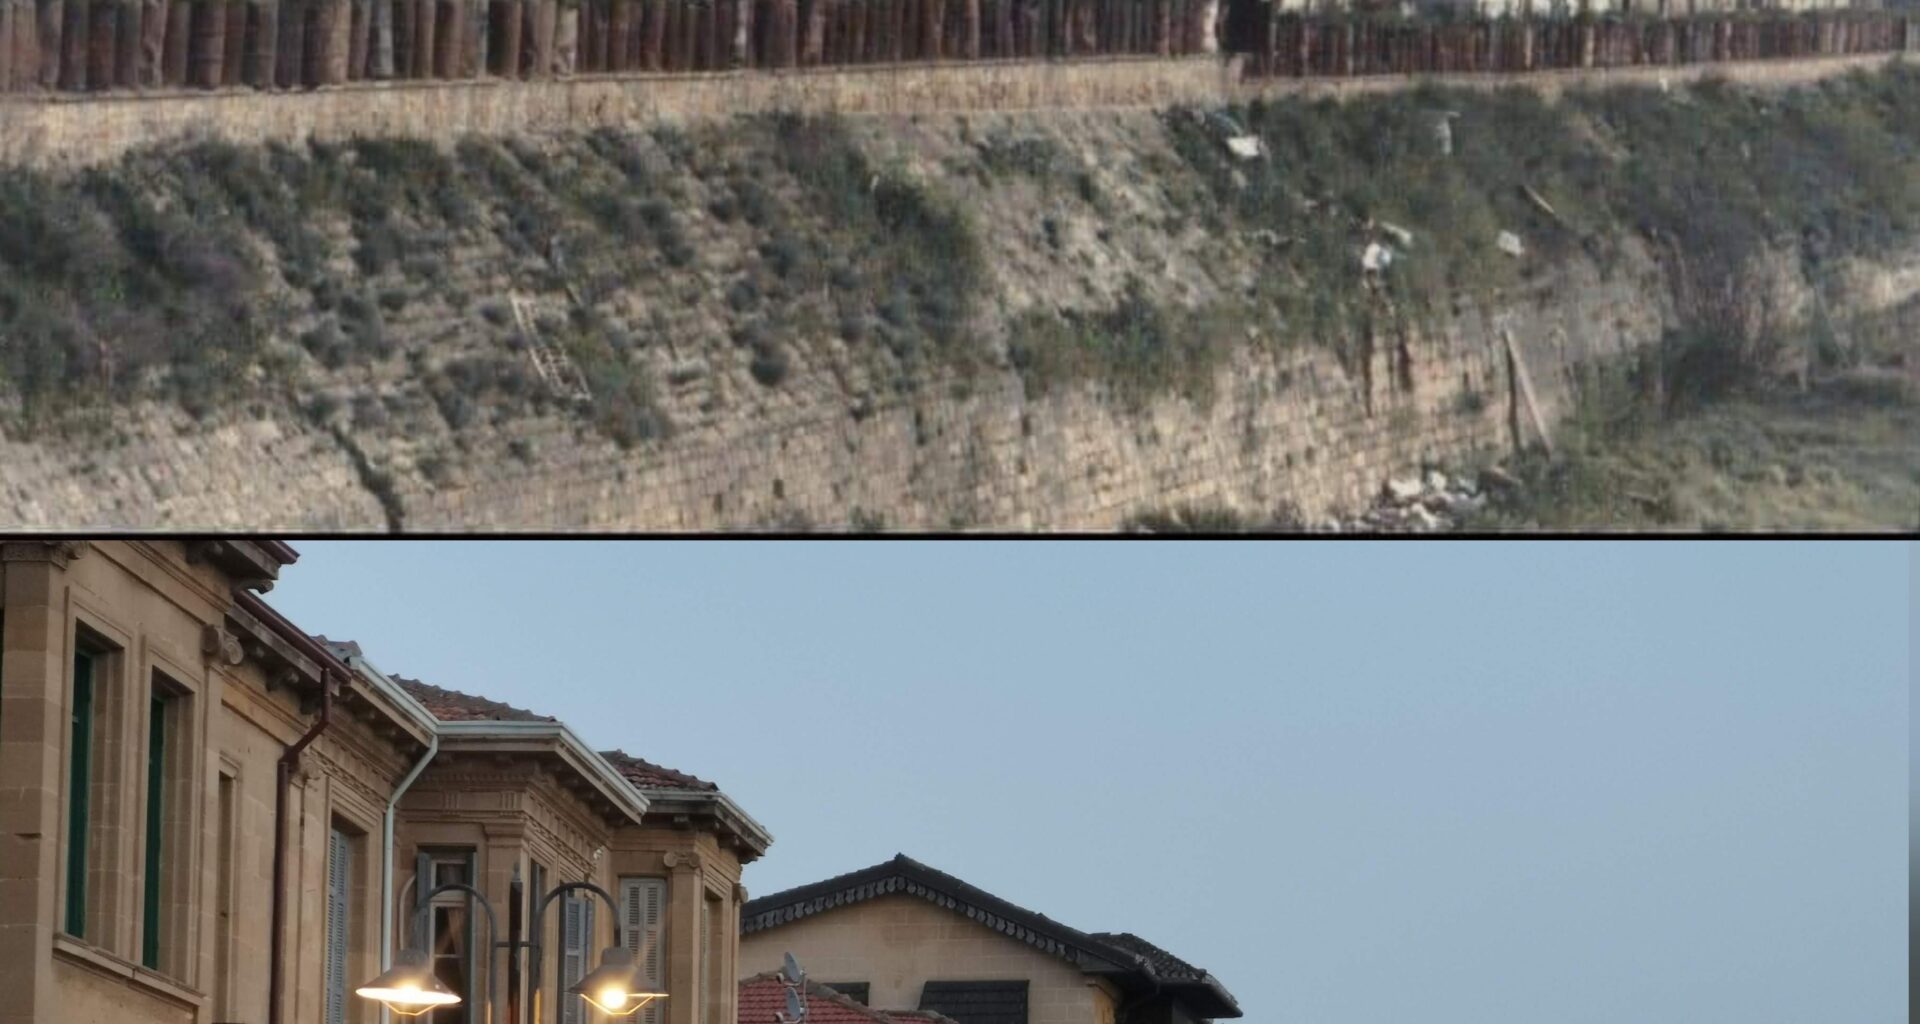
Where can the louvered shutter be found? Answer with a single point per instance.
(573, 945)
(339, 882)
(643, 910)
(422, 885)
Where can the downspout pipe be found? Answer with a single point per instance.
(386, 858)
(333, 675)
(283, 781)
(373, 675)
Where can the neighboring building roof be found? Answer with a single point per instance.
(1164, 964)
(648, 775)
(1132, 962)
(977, 1002)
(1194, 983)
(903, 874)
(762, 996)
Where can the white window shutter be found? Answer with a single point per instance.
(643, 911)
(572, 946)
(339, 883)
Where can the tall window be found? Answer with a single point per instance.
(452, 923)
(643, 915)
(339, 922)
(156, 829)
(576, 952)
(169, 795)
(79, 786)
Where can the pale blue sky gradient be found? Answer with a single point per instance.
(1480, 783)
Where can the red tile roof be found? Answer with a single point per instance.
(647, 775)
(454, 706)
(762, 996)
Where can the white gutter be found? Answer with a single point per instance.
(392, 691)
(754, 829)
(629, 797)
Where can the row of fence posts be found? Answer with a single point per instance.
(1293, 45)
(95, 45)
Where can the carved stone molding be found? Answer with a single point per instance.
(220, 645)
(57, 552)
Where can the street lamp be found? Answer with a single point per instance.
(409, 988)
(615, 986)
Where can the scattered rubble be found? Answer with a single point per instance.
(1246, 147)
(1509, 243)
(1431, 502)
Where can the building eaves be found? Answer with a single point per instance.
(1195, 985)
(489, 735)
(907, 876)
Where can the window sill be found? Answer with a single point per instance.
(93, 958)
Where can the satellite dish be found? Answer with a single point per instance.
(790, 971)
(796, 1010)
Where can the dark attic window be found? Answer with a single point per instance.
(854, 990)
(977, 1002)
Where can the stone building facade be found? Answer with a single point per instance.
(196, 800)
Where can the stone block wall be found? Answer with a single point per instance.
(1297, 428)
(60, 131)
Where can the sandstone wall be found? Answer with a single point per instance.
(1287, 423)
(1297, 427)
(73, 131)
(56, 130)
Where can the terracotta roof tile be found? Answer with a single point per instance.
(762, 996)
(454, 706)
(647, 775)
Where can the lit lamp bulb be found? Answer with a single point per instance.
(615, 986)
(408, 988)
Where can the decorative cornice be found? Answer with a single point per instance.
(250, 565)
(56, 552)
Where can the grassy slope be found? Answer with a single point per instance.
(215, 276)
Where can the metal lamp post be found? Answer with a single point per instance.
(410, 988)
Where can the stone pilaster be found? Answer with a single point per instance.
(33, 710)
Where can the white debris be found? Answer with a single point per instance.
(1403, 490)
(1400, 234)
(1436, 480)
(1443, 131)
(1246, 147)
(1375, 257)
(1509, 243)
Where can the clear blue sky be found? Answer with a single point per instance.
(1467, 783)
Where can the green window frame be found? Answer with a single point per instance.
(156, 792)
(79, 781)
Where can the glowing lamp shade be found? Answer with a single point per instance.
(615, 987)
(409, 987)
